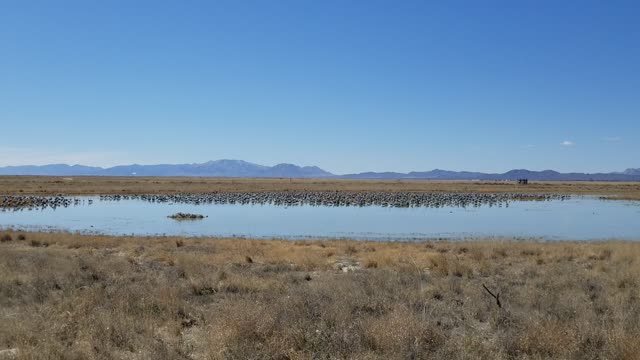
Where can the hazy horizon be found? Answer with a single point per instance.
(328, 170)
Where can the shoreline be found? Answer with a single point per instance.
(316, 239)
(69, 186)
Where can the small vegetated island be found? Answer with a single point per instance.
(186, 216)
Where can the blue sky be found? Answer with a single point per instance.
(349, 86)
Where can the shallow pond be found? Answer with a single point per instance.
(579, 218)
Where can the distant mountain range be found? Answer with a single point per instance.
(219, 168)
(546, 175)
(239, 168)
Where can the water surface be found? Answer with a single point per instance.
(579, 218)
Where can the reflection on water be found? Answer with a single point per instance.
(577, 218)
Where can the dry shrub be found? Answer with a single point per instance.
(439, 265)
(499, 252)
(543, 340)
(350, 250)
(605, 254)
(369, 248)
(627, 281)
(313, 262)
(476, 254)
(530, 252)
(459, 269)
(402, 333)
(463, 250)
(371, 264)
(38, 243)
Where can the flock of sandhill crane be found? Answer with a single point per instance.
(325, 198)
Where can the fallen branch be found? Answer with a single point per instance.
(497, 297)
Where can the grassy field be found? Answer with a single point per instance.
(67, 296)
(42, 185)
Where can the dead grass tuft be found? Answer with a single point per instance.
(371, 264)
(38, 243)
(350, 250)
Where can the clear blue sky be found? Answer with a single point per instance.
(349, 86)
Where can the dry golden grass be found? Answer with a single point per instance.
(44, 185)
(67, 296)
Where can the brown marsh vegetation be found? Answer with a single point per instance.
(45, 185)
(68, 296)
